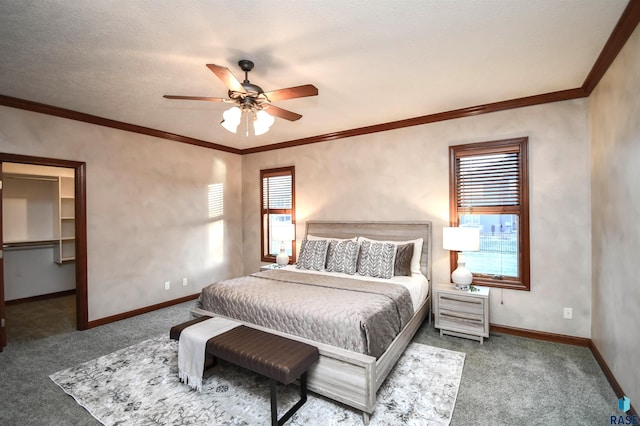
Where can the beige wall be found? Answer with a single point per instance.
(615, 162)
(148, 216)
(403, 175)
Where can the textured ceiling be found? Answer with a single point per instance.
(372, 61)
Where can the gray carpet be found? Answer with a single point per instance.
(507, 381)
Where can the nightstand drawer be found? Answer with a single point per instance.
(462, 321)
(466, 304)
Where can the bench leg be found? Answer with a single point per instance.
(274, 401)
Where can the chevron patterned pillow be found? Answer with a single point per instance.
(342, 256)
(313, 255)
(376, 259)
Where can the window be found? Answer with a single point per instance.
(277, 201)
(489, 190)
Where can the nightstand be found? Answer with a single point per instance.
(270, 266)
(462, 313)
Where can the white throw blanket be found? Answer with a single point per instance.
(192, 346)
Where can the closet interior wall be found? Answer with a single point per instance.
(38, 227)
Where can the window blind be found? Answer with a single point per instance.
(277, 192)
(488, 180)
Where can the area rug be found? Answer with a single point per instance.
(139, 385)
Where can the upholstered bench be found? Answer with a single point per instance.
(278, 358)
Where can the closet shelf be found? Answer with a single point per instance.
(30, 244)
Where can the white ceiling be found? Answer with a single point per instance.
(373, 61)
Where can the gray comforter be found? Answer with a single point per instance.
(360, 316)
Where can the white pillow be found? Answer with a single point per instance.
(417, 250)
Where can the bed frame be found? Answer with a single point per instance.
(349, 377)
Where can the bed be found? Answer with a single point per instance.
(352, 366)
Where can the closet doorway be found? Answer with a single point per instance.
(51, 223)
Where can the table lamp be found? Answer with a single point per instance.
(283, 232)
(461, 240)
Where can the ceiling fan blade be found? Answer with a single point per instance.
(282, 113)
(195, 98)
(292, 92)
(227, 78)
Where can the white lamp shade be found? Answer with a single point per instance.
(283, 232)
(262, 123)
(461, 239)
(231, 119)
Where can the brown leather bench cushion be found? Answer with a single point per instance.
(176, 330)
(273, 356)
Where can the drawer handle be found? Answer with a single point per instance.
(465, 300)
(458, 317)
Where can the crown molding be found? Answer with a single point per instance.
(562, 95)
(622, 31)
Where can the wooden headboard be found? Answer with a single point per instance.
(391, 231)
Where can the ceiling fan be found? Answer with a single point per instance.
(250, 98)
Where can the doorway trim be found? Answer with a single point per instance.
(82, 305)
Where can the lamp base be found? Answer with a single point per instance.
(461, 277)
(282, 259)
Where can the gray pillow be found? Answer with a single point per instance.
(342, 256)
(313, 255)
(376, 259)
(402, 264)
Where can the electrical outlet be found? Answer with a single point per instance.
(184, 281)
(568, 313)
(167, 285)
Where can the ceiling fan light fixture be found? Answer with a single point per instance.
(231, 119)
(251, 100)
(262, 122)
